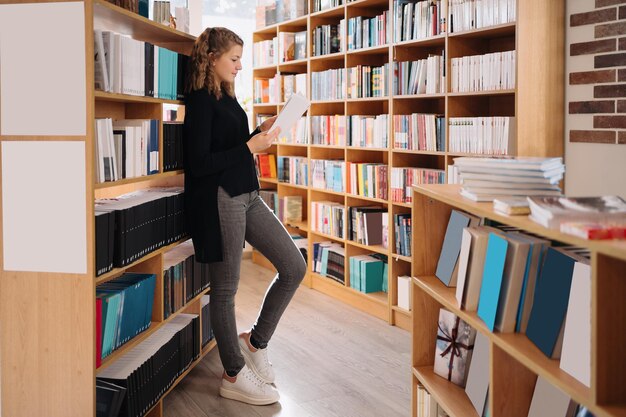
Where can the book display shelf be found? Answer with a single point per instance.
(47, 311)
(515, 362)
(536, 102)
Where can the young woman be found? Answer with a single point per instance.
(223, 208)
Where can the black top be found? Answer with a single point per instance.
(215, 154)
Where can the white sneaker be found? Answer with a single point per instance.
(249, 388)
(257, 360)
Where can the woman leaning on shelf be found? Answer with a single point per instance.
(223, 208)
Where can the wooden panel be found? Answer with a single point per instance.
(448, 395)
(429, 221)
(540, 99)
(609, 315)
(512, 385)
(425, 321)
(47, 343)
(402, 319)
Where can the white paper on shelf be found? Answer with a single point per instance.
(291, 113)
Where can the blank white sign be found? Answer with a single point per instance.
(44, 206)
(42, 69)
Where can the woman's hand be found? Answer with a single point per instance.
(263, 140)
(266, 125)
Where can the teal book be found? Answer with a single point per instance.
(324, 266)
(371, 275)
(492, 279)
(385, 277)
(357, 272)
(352, 272)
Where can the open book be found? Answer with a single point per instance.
(291, 112)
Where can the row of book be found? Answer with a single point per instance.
(474, 14)
(265, 164)
(404, 178)
(369, 225)
(419, 132)
(135, 224)
(329, 39)
(328, 174)
(148, 370)
(126, 149)
(298, 134)
(493, 71)
(366, 32)
(172, 146)
(418, 19)
(369, 273)
(162, 14)
(279, 88)
(367, 179)
(123, 310)
(287, 209)
(319, 5)
(293, 170)
(287, 46)
(270, 12)
(483, 135)
(329, 84)
(183, 277)
(128, 66)
(522, 283)
(362, 131)
(205, 313)
(426, 405)
(368, 81)
(402, 232)
(329, 218)
(424, 76)
(329, 260)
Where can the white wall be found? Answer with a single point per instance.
(591, 168)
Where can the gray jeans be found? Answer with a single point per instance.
(247, 217)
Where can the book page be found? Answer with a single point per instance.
(291, 113)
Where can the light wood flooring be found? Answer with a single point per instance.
(330, 360)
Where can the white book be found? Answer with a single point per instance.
(404, 292)
(101, 75)
(576, 353)
(548, 400)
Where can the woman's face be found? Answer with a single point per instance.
(228, 64)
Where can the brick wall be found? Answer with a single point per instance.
(595, 97)
(602, 44)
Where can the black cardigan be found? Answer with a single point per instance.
(215, 154)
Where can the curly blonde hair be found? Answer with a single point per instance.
(210, 45)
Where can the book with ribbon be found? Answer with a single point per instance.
(453, 351)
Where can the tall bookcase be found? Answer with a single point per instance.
(536, 102)
(47, 309)
(515, 362)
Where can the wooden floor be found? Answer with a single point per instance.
(329, 359)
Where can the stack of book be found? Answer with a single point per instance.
(485, 179)
(587, 217)
(368, 273)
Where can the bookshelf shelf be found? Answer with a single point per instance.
(125, 181)
(298, 225)
(364, 198)
(506, 29)
(325, 236)
(267, 179)
(449, 396)
(529, 102)
(374, 248)
(514, 353)
(293, 23)
(377, 297)
(298, 66)
(294, 145)
(402, 311)
(286, 184)
(126, 98)
(263, 68)
(330, 12)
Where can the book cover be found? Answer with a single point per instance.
(492, 279)
(447, 265)
(478, 375)
(550, 303)
(453, 351)
(548, 400)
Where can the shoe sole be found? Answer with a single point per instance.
(238, 396)
(250, 362)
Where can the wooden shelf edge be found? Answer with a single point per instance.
(448, 395)
(136, 180)
(374, 248)
(127, 98)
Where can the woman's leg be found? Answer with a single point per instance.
(265, 233)
(225, 279)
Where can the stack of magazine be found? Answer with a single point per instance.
(485, 179)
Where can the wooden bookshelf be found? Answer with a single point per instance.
(536, 102)
(515, 360)
(48, 332)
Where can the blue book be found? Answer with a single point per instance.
(550, 301)
(492, 279)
